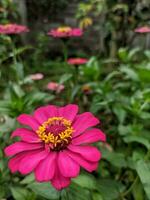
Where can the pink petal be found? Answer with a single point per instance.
(13, 163)
(89, 153)
(69, 112)
(89, 136)
(67, 166)
(84, 121)
(46, 168)
(18, 147)
(26, 135)
(30, 161)
(29, 121)
(52, 111)
(41, 115)
(59, 181)
(89, 166)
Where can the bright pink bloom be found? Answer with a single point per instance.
(56, 145)
(64, 32)
(77, 61)
(55, 87)
(13, 29)
(37, 76)
(144, 29)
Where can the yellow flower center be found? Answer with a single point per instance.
(7, 26)
(65, 29)
(56, 132)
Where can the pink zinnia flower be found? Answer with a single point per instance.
(56, 144)
(77, 61)
(37, 76)
(144, 29)
(13, 29)
(53, 86)
(64, 32)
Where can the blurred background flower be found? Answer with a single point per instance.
(66, 31)
(144, 29)
(37, 76)
(77, 61)
(13, 29)
(53, 86)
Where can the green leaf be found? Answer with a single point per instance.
(17, 52)
(112, 75)
(144, 75)
(2, 192)
(37, 96)
(17, 90)
(132, 53)
(147, 53)
(120, 113)
(124, 130)
(143, 170)
(110, 189)
(116, 159)
(123, 54)
(65, 78)
(120, 6)
(139, 139)
(28, 179)
(138, 192)
(75, 92)
(19, 193)
(85, 181)
(130, 73)
(145, 115)
(7, 126)
(75, 192)
(97, 196)
(45, 190)
(4, 107)
(18, 70)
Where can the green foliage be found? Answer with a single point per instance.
(143, 170)
(114, 85)
(45, 190)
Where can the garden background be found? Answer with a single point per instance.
(114, 84)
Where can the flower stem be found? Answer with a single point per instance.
(65, 50)
(60, 195)
(13, 51)
(76, 75)
(131, 187)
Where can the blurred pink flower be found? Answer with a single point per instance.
(13, 29)
(56, 144)
(37, 76)
(144, 29)
(77, 61)
(64, 32)
(55, 87)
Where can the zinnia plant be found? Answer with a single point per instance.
(13, 29)
(56, 144)
(66, 31)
